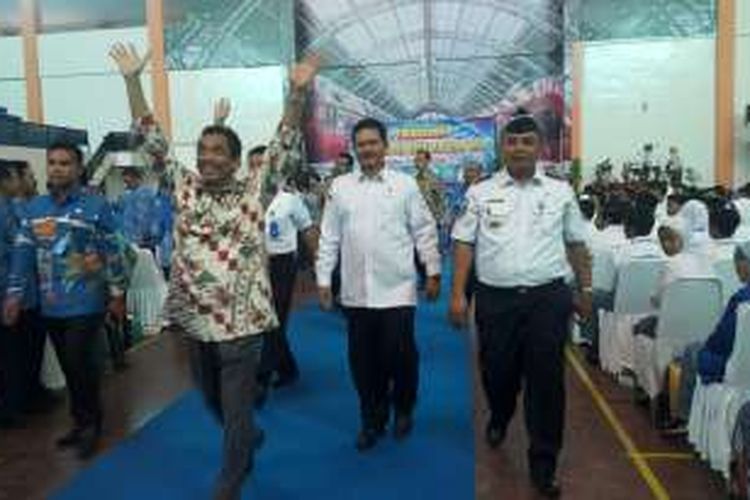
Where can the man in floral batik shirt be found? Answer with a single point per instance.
(220, 294)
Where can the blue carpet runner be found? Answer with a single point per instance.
(310, 431)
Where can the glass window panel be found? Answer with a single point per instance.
(444, 15)
(66, 15)
(411, 16)
(12, 82)
(200, 34)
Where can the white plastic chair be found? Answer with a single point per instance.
(636, 283)
(727, 274)
(689, 311)
(714, 410)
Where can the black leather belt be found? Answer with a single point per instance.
(522, 290)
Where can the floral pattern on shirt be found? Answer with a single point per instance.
(219, 288)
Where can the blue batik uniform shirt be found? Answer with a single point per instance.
(74, 245)
(30, 298)
(713, 357)
(7, 233)
(138, 212)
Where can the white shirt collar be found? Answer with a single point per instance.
(378, 177)
(506, 180)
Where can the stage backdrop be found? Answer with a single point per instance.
(450, 141)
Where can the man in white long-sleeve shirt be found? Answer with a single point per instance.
(375, 218)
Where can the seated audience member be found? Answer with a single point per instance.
(639, 222)
(708, 359)
(612, 233)
(713, 357)
(686, 252)
(640, 244)
(723, 222)
(686, 258)
(588, 211)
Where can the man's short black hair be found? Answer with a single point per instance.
(424, 152)
(14, 167)
(615, 209)
(723, 219)
(71, 148)
(370, 124)
(233, 141)
(522, 122)
(639, 220)
(257, 150)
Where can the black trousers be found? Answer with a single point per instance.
(522, 334)
(79, 346)
(471, 284)
(21, 355)
(384, 362)
(277, 354)
(11, 372)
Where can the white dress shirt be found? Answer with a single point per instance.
(286, 216)
(519, 230)
(375, 223)
(640, 247)
(609, 239)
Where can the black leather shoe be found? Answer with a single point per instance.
(403, 426)
(494, 436)
(366, 439)
(72, 438)
(548, 488)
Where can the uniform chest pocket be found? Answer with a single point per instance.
(496, 216)
(550, 217)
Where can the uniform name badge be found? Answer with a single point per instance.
(495, 220)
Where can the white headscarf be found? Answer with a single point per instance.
(743, 230)
(695, 215)
(677, 224)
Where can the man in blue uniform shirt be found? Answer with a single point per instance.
(79, 272)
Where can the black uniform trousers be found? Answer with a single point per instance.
(522, 333)
(384, 362)
(79, 344)
(21, 355)
(277, 355)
